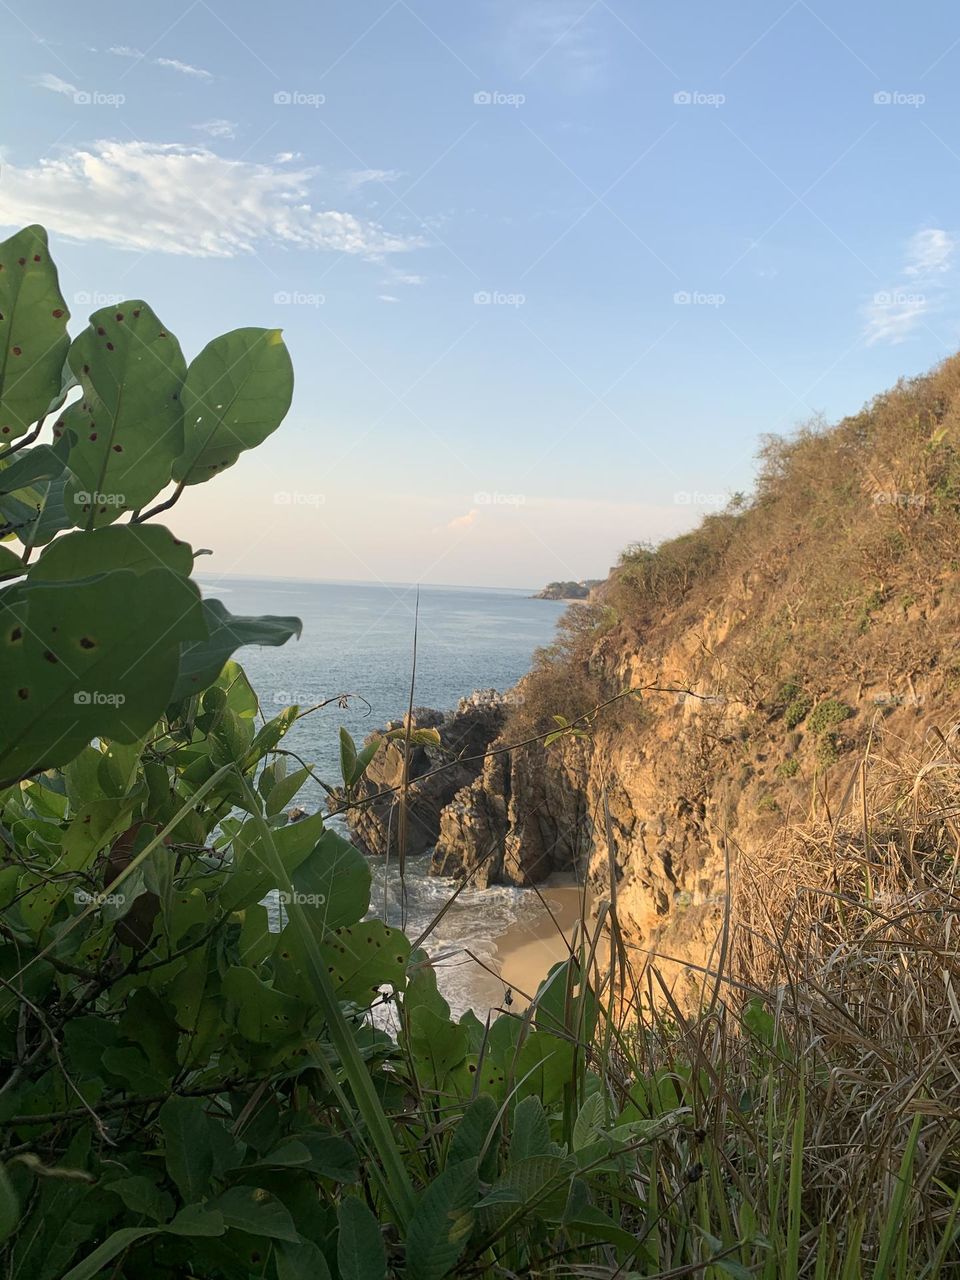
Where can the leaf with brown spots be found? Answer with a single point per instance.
(127, 428)
(33, 332)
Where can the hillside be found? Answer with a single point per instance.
(775, 644)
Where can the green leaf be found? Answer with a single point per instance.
(361, 958)
(476, 1126)
(86, 659)
(42, 462)
(142, 1196)
(237, 392)
(111, 1248)
(348, 757)
(127, 429)
(202, 662)
(256, 1212)
(436, 1045)
(442, 1222)
(284, 791)
(589, 1121)
(302, 1261)
(531, 1131)
(33, 331)
(360, 1251)
(137, 547)
(11, 566)
(334, 882)
(262, 1014)
(189, 1150)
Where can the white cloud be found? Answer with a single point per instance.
(285, 157)
(169, 198)
(55, 85)
(218, 128)
(125, 51)
(361, 177)
(930, 251)
(387, 297)
(185, 69)
(894, 314)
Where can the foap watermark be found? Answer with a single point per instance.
(497, 298)
(897, 98)
(294, 498)
(695, 98)
(897, 699)
(83, 898)
(290, 698)
(85, 499)
(296, 898)
(891, 498)
(297, 98)
(695, 498)
(899, 298)
(496, 98)
(95, 98)
(85, 299)
(495, 499)
(284, 299)
(694, 298)
(98, 698)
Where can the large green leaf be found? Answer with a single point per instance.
(360, 1251)
(360, 958)
(202, 662)
(33, 331)
(333, 883)
(237, 392)
(79, 660)
(128, 427)
(189, 1147)
(442, 1222)
(122, 546)
(256, 1212)
(263, 1014)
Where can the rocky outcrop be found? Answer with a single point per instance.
(465, 735)
(568, 590)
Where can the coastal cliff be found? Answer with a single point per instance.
(767, 649)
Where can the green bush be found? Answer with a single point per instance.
(827, 715)
(788, 768)
(796, 710)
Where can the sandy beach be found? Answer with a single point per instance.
(527, 950)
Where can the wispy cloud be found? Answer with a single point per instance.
(387, 297)
(893, 314)
(55, 85)
(218, 128)
(558, 36)
(185, 69)
(168, 198)
(125, 51)
(362, 177)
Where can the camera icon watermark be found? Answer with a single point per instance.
(294, 498)
(694, 98)
(94, 98)
(892, 498)
(897, 98)
(295, 299)
(296, 98)
(97, 698)
(496, 298)
(495, 98)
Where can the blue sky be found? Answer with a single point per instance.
(547, 269)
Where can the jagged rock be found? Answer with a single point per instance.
(465, 734)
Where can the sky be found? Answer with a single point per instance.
(548, 269)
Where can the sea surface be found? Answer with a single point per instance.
(358, 641)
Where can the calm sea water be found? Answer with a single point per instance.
(358, 639)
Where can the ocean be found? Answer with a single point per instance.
(358, 640)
